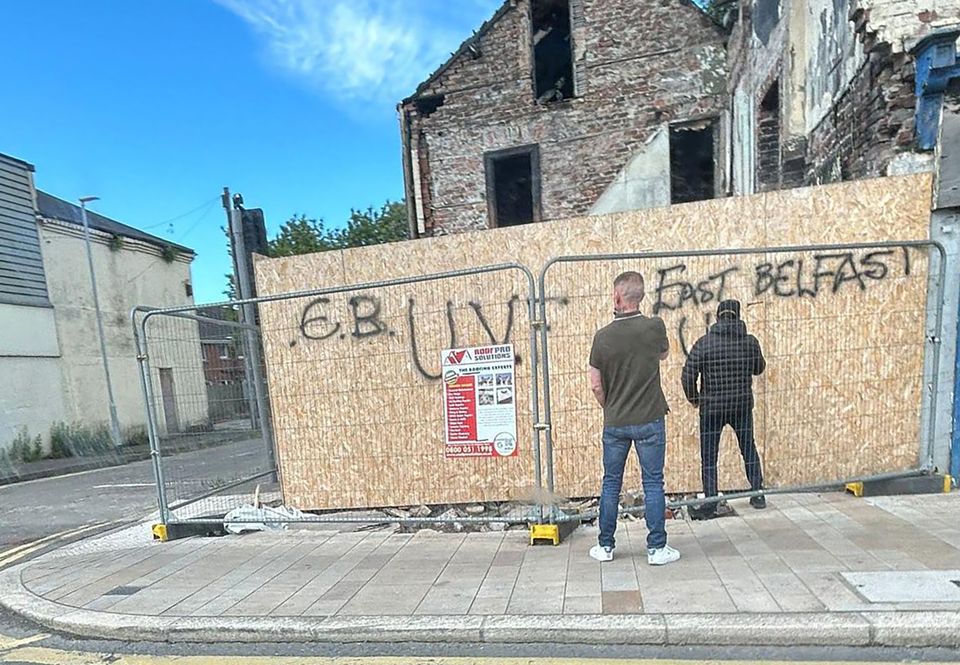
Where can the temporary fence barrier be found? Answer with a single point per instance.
(298, 337)
(851, 337)
(849, 331)
(207, 408)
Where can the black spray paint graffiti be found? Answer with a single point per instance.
(366, 320)
(791, 278)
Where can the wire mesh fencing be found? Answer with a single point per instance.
(788, 368)
(361, 403)
(207, 410)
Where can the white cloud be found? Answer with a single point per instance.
(373, 51)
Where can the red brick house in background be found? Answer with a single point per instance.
(558, 108)
(222, 356)
(223, 365)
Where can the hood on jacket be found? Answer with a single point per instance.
(729, 328)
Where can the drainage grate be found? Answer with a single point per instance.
(123, 591)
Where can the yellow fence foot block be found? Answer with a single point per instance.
(544, 534)
(855, 489)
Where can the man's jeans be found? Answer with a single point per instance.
(651, 442)
(712, 423)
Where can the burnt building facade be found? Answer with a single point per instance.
(557, 108)
(560, 108)
(826, 90)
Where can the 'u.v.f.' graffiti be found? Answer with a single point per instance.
(806, 277)
(364, 319)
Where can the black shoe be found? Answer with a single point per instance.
(758, 502)
(705, 512)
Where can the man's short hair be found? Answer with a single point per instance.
(630, 286)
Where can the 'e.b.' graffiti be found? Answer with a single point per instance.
(364, 319)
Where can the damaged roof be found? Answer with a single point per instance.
(489, 23)
(51, 207)
(464, 47)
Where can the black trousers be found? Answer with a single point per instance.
(712, 422)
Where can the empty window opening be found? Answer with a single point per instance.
(427, 105)
(513, 186)
(692, 163)
(552, 50)
(768, 139)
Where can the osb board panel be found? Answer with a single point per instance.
(353, 376)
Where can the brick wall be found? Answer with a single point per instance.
(638, 65)
(855, 91)
(869, 124)
(768, 141)
(900, 23)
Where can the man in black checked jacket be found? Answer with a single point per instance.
(718, 379)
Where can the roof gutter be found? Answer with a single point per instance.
(411, 177)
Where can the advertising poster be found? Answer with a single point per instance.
(479, 402)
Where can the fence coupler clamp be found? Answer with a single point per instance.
(541, 427)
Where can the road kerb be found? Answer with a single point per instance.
(900, 629)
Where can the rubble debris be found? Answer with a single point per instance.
(421, 511)
(250, 518)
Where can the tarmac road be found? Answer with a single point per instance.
(58, 508)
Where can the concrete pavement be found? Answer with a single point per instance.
(811, 570)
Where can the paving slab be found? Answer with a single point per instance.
(940, 586)
(811, 569)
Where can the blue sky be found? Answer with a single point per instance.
(156, 105)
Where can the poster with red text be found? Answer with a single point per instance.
(479, 402)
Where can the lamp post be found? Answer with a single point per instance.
(114, 421)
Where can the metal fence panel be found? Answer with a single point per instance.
(205, 423)
(332, 440)
(846, 392)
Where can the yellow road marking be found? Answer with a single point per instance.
(16, 553)
(42, 656)
(7, 643)
(14, 550)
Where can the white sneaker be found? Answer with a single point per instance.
(662, 556)
(601, 553)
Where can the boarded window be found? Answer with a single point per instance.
(552, 50)
(768, 140)
(513, 186)
(692, 162)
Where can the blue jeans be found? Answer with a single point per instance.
(651, 443)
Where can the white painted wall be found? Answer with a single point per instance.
(644, 182)
(30, 394)
(903, 22)
(744, 142)
(834, 55)
(136, 274)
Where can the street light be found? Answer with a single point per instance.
(114, 422)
